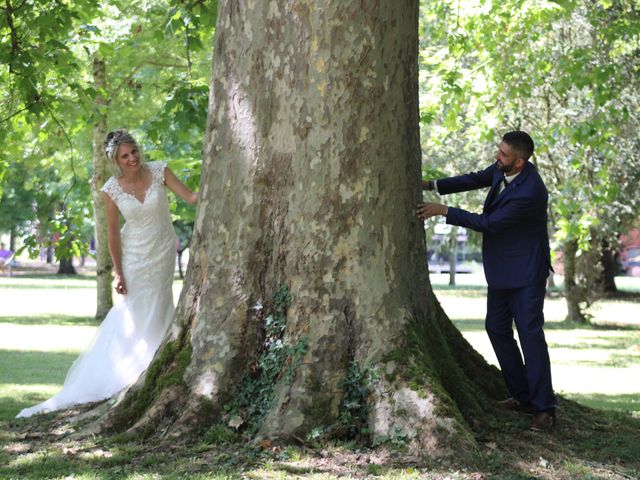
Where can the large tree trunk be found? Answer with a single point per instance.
(310, 182)
(104, 267)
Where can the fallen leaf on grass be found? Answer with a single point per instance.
(70, 450)
(17, 448)
(98, 453)
(236, 421)
(265, 444)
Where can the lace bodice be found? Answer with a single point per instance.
(126, 202)
(148, 231)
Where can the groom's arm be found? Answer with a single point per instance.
(464, 183)
(460, 183)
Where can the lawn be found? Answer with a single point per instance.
(598, 365)
(45, 321)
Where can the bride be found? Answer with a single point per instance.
(143, 254)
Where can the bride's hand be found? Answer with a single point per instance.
(121, 286)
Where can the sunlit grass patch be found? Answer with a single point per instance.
(629, 402)
(44, 338)
(34, 282)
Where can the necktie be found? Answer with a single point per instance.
(503, 186)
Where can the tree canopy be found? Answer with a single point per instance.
(157, 64)
(565, 70)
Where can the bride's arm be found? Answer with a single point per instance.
(180, 189)
(115, 245)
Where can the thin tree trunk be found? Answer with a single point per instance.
(573, 293)
(12, 239)
(104, 267)
(453, 256)
(609, 269)
(180, 272)
(66, 267)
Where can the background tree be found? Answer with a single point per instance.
(141, 66)
(566, 71)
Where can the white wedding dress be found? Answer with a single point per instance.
(129, 336)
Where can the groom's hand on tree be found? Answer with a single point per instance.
(428, 185)
(428, 210)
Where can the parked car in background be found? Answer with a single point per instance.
(439, 264)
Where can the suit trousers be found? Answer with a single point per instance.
(529, 381)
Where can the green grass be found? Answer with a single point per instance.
(629, 402)
(49, 319)
(593, 364)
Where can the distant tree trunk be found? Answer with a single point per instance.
(180, 271)
(609, 269)
(574, 294)
(184, 231)
(12, 239)
(453, 256)
(66, 267)
(104, 267)
(310, 182)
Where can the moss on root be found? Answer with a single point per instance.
(166, 371)
(427, 358)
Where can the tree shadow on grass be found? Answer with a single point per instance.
(586, 443)
(469, 325)
(51, 319)
(467, 291)
(53, 276)
(569, 325)
(476, 325)
(621, 402)
(584, 439)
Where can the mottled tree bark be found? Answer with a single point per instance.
(311, 177)
(104, 268)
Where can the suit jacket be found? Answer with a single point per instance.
(515, 243)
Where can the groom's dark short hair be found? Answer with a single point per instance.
(521, 142)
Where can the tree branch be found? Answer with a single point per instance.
(15, 46)
(18, 112)
(148, 62)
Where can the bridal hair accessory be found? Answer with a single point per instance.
(115, 139)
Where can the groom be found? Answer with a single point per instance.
(515, 254)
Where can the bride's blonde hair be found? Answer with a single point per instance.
(113, 140)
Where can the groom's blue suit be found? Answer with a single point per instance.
(515, 254)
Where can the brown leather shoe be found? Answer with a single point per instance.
(515, 405)
(543, 421)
